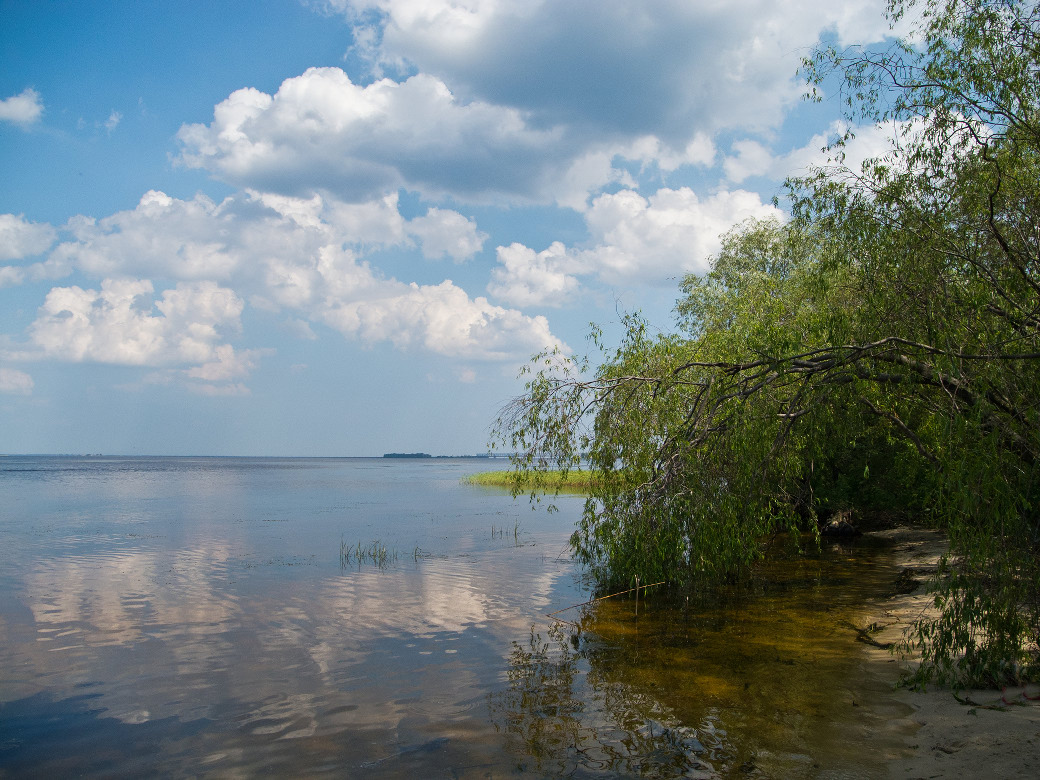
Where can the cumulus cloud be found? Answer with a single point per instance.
(182, 332)
(301, 329)
(751, 158)
(282, 254)
(378, 223)
(20, 238)
(748, 158)
(162, 236)
(672, 232)
(444, 233)
(118, 323)
(633, 240)
(23, 109)
(321, 132)
(347, 296)
(525, 277)
(652, 83)
(202, 239)
(227, 364)
(587, 174)
(15, 382)
(659, 66)
(374, 223)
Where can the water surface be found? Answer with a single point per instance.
(196, 616)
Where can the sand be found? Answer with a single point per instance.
(985, 734)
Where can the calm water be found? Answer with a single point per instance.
(195, 616)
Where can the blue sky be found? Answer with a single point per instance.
(283, 227)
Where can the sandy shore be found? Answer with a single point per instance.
(994, 734)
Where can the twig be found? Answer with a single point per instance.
(601, 598)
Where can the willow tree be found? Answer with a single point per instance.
(888, 334)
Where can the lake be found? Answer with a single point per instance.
(232, 617)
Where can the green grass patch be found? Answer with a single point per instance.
(573, 482)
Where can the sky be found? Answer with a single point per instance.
(341, 227)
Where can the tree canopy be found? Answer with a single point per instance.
(880, 350)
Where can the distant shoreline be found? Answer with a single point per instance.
(425, 455)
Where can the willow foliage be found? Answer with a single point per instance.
(882, 348)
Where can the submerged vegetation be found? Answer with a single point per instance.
(741, 683)
(877, 353)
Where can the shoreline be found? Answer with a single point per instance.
(988, 733)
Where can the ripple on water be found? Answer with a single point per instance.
(219, 643)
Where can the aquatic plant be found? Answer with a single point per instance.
(375, 553)
(570, 481)
(501, 532)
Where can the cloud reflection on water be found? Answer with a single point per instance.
(162, 614)
(198, 634)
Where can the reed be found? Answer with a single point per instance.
(375, 553)
(499, 532)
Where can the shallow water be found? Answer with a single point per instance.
(195, 616)
(761, 682)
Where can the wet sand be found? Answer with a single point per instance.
(988, 733)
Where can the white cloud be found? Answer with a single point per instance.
(321, 132)
(698, 151)
(633, 240)
(20, 238)
(53, 267)
(595, 168)
(378, 223)
(375, 223)
(447, 233)
(648, 67)
(227, 364)
(201, 239)
(113, 121)
(652, 82)
(672, 232)
(163, 236)
(526, 278)
(441, 318)
(587, 174)
(282, 254)
(10, 275)
(15, 382)
(751, 158)
(116, 324)
(22, 109)
(668, 234)
(301, 329)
